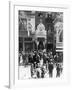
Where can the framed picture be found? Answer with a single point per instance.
(38, 45)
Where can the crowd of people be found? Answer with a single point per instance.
(42, 63)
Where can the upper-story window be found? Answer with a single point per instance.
(23, 24)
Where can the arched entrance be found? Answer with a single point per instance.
(40, 45)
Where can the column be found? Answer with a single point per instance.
(23, 45)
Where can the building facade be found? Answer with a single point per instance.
(40, 30)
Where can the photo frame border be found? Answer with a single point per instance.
(12, 5)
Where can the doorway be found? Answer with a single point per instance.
(40, 45)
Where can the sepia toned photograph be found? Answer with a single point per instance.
(40, 44)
